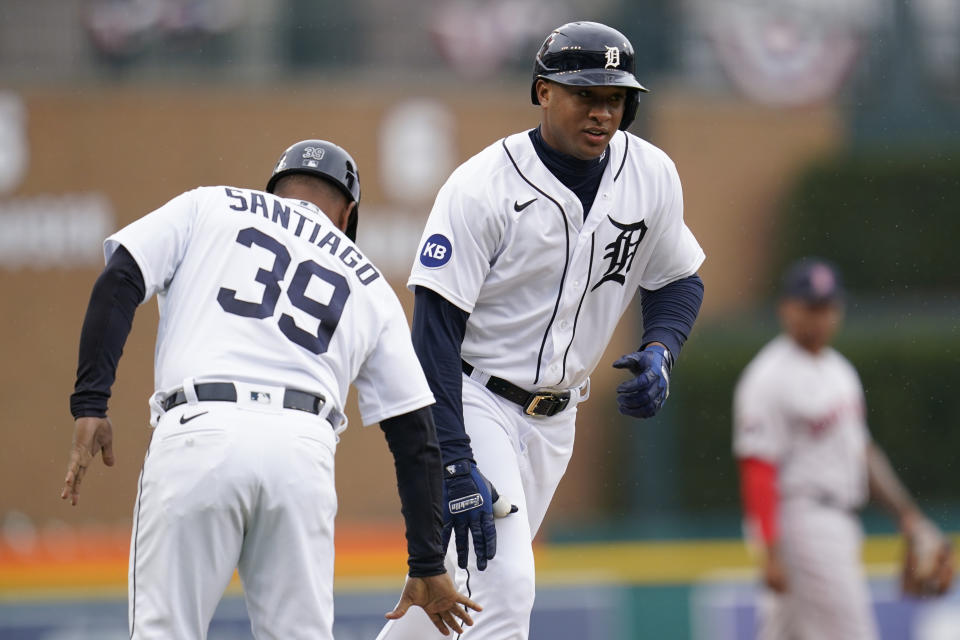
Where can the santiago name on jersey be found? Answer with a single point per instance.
(270, 271)
(507, 242)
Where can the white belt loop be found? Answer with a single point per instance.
(480, 375)
(156, 407)
(584, 391)
(189, 392)
(325, 410)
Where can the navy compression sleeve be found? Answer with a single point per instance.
(670, 311)
(413, 442)
(116, 294)
(438, 329)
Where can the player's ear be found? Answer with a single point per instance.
(543, 91)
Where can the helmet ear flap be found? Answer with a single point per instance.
(351, 230)
(630, 106)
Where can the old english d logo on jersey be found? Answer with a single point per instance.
(622, 251)
(436, 251)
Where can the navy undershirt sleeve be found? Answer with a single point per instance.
(116, 294)
(670, 311)
(412, 439)
(438, 329)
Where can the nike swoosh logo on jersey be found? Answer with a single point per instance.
(186, 420)
(520, 207)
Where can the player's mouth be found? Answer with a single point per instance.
(596, 135)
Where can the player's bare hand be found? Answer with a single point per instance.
(439, 598)
(774, 572)
(90, 437)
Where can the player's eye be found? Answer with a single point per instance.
(583, 93)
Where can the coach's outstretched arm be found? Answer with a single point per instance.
(116, 294)
(412, 439)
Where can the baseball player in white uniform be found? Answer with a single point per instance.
(807, 465)
(268, 312)
(533, 250)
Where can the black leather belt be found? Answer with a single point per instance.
(227, 392)
(541, 403)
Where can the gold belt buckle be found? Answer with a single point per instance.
(531, 408)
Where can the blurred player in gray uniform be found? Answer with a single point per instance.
(268, 312)
(808, 464)
(533, 250)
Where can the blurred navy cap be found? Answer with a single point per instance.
(812, 280)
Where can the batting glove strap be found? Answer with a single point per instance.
(664, 353)
(459, 468)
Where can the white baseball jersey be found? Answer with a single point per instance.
(804, 413)
(266, 293)
(507, 242)
(274, 294)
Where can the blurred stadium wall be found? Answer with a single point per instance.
(110, 107)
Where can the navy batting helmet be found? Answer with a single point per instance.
(326, 160)
(589, 54)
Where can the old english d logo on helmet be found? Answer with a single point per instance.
(613, 58)
(589, 54)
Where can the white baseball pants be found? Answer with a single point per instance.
(524, 457)
(242, 485)
(827, 597)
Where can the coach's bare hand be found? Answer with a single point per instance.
(440, 599)
(90, 436)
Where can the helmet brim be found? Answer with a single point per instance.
(595, 78)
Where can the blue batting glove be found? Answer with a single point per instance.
(643, 396)
(470, 502)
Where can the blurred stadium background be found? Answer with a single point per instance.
(798, 126)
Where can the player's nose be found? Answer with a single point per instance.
(601, 111)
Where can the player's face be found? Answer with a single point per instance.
(812, 326)
(579, 121)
